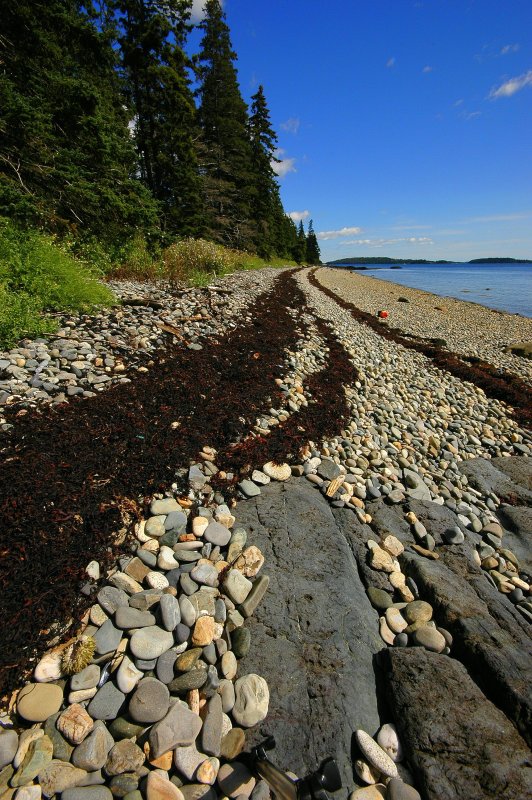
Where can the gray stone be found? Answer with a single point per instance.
(454, 535)
(328, 470)
(252, 700)
(165, 506)
(87, 793)
(217, 534)
(107, 638)
(107, 702)
(194, 679)
(8, 746)
(379, 598)
(169, 612)
(187, 760)
(179, 728)
(86, 679)
(62, 748)
(92, 753)
(241, 642)
(150, 701)
(125, 756)
(165, 666)
(475, 727)
(248, 488)
(211, 733)
(110, 598)
(176, 521)
(204, 603)
(205, 574)
(127, 618)
(237, 586)
(150, 643)
(188, 614)
(58, 776)
(252, 601)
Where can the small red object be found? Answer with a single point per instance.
(382, 314)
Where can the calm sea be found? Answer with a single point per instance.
(507, 287)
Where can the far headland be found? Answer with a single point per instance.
(386, 260)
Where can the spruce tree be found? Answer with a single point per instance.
(66, 159)
(313, 249)
(301, 248)
(268, 209)
(154, 66)
(224, 150)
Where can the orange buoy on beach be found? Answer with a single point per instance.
(382, 314)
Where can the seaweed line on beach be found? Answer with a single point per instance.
(495, 382)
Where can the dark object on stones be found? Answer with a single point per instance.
(315, 636)
(459, 744)
(403, 300)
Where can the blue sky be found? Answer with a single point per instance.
(404, 125)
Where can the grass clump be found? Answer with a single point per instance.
(37, 275)
(197, 261)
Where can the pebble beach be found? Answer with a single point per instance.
(152, 699)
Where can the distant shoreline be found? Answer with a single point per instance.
(372, 261)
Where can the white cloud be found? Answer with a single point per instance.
(298, 216)
(387, 242)
(198, 10)
(291, 125)
(459, 102)
(467, 115)
(336, 234)
(509, 48)
(512, 86)
(427, 68)
(391, 62)
(282, 166)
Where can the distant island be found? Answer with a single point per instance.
(384, 260)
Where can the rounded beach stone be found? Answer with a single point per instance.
(217, 534)
(241, 642)
(379, 598)
(233, 744)
(60, 775)
(86, 679)
(395, 620)
(203, 633)
(74, 724)
(106, 704)
(418, 611)
(128, 676)
(125, 756)
(236, 780)
(160, 788)
(149, 643)
(236, 586)
(92, 753)
(398, 790)
(252, 700)
(277, 472)
(388, 739)
(376, 792)
(430, 638)
(38, 701)
(229, 665)
(150, 701)
(8, 746)
(366, 773)
(208, 770)
(87, 793)
(375, 754)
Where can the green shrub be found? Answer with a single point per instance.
(135, 261)
(198, 261)
(38, 275)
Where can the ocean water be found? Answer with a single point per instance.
(506, 287)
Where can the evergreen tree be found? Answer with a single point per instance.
(266, 203)
(301, 248)
(224, 150)
(313, 248)
(152, 38)
(66, 158)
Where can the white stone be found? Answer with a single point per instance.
(388, 739)
(128, 676)
(278, 472)
(366, 773)
(156, 580)
(166, 560)
(375, 754)
(93, 570)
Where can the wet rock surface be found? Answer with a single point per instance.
(458, 743)
(315, 633)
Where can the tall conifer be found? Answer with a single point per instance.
(152, 38)
(65, 153)
(225, 151)
(313, 248)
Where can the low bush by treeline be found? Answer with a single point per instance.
(42, 275)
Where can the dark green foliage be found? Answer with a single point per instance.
(225, 150)
(154, 66)
(301, 246)
(66, 159)
(313, 248)
(36, 275)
